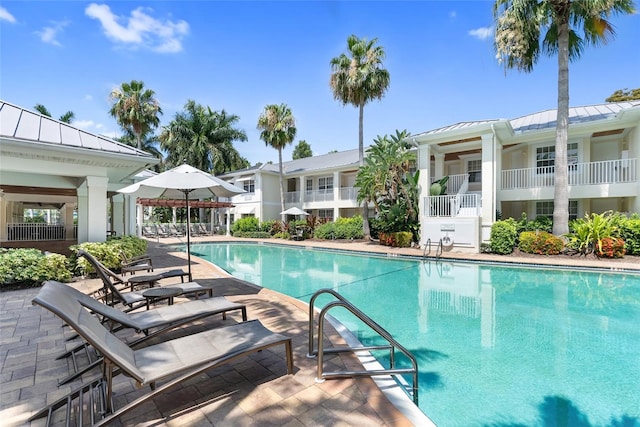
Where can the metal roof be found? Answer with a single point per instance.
(23, 125)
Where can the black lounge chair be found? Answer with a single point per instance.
(132, 300)
(164, 319)
(133, 264)
(176, 360)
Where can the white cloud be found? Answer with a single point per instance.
(453, 15)
(84, 124)
(50, 34)
(481, 33)
(88, 97)
(6, 16)
(141, 29)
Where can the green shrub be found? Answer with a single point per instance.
(282, 235)
(630, 233)
(271, 226)
(503, 236)
(244, 225)
(32, 266)
(253, 234)
(342, 228)
(109, 252)
(403, 239)
(540, 242)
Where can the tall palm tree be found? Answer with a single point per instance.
(356, 79)
(135, 109)
(204, 139)
(149, 143)
(278, 130)
(527, 28)
(67, 117)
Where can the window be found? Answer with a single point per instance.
(325, 214)
(546, 157)
(474, 168)
(545, 208)
(325, 185)
(249, 186)
(309, 185)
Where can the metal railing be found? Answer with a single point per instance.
(319, 195)
(391, 346)
(593, 173)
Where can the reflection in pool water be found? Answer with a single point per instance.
(496, 346)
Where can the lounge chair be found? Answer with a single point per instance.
(162, 319)
(133, 299)
(138, 263)
(149, 231)
(175, 360)
(174, 231)
(203, 230)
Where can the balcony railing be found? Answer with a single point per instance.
(292, 197)
(348, 193)
(30, 231)
(592, 173)
(319, 195)
(452, 205)
(454, 183)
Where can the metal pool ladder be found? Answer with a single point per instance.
(427, 250)
(392, 345)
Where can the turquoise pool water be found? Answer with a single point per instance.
(496, 346)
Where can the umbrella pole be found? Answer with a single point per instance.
(186, 196)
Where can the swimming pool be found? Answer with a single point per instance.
(496, 346)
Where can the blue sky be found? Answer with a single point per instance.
(242, 55)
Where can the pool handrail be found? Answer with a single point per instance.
(391, 346)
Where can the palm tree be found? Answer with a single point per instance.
(149, 143)
(67, 117)
(278, 130)
(357, 79)
(135, 109)
(527, 28)
(204, 139)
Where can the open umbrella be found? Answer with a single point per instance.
(294, 211)
(183, 181)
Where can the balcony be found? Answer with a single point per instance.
(620, 171)
(325, 195)
(451, 206)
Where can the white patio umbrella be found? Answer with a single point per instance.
(294, 211)
(183, 181)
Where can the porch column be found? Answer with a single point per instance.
(117, 214)
(130, 215)
(633, 149)
(3, 217)
(92, 209)
(303, 188)
(491, 165)
(228, 221)
(439, 166)
(336, 186)
(67, 214)
(424, 183)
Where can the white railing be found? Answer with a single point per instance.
(29, 231)
(455, 182)
(292, 197)
(348, 193)
(319, 195)
(452, 205)
(592, 173)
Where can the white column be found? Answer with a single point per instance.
(336, 187)
(228, 221)
(67, 214)
(3, 217)
(491, 164)
(118, 214)
(130, 215)
(439, 165)
(424, 183)
(92, 209)
(139, 219)
(303, 188)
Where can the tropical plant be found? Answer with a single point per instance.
(630, 233)
(587, 233)
(624, 95)
(135, 109)
(204, 139)
(67, 117)
(356, 79)
(244, 225)
(278, 128)
(540, 242)
(341, 228)
(439, 187)
(302, 150)
(385, 181)
(527, 28)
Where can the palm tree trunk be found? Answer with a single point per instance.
(561, 186)
(366, 231)
(281, 183)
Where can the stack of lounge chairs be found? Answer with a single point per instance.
(170, 362)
